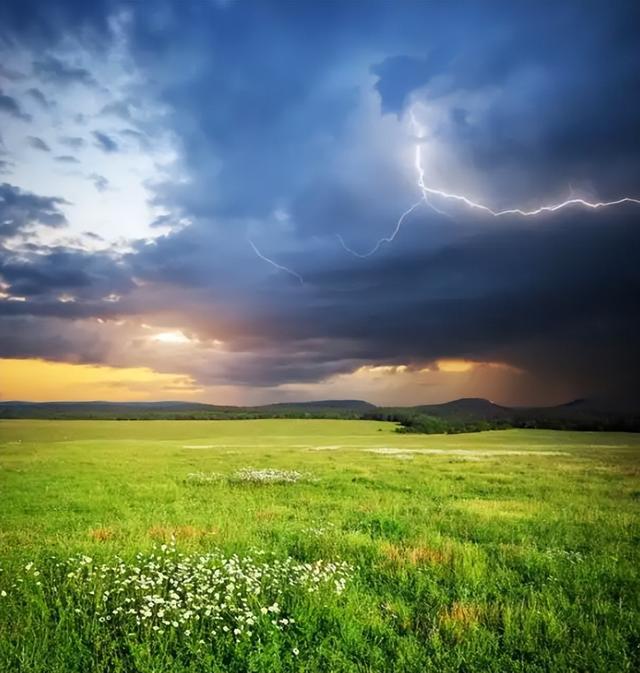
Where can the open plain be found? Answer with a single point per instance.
(307, 545)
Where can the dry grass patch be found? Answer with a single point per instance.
(460, 617)
(274, 512)
(398, 555)
(102, 534)
(267, 515)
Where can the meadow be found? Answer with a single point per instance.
(316, 545)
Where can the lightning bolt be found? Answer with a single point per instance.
(427, 191)
(291, 272)
(386, 239)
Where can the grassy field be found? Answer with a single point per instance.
(144, 546)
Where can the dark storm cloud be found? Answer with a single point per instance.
(73, 142)
(140, 138)
(561, 113)
(61, 339)
(546, 299)
(398, 76)
(66, 159)
(43, 274)
(11, 75)
(565, 287)
(5, 164)
(292, 126)
(56, 71)
(21, 210)
(257, 121)
(40, 98)
(93, 235)
(486, 291)
(274, 368)
(38, 144)
(105, 142)
(99, 182)
(10, 106)
(120, 109)
(43, 24)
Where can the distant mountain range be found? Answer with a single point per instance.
(584, 414)
(185, 410)
(590, 412)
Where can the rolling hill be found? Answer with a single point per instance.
(455, 416)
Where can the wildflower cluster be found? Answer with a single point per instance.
(399, 454)
(388, 451)
(267, 476)
(248, 476)
(208, 597)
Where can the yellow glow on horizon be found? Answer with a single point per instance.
(43, 380)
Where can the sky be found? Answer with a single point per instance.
(243, 202)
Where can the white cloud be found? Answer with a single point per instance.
(119, 205)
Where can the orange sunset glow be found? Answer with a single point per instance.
(46, 381)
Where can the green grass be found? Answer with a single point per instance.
(504, 559)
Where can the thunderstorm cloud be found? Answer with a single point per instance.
(201, 158)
